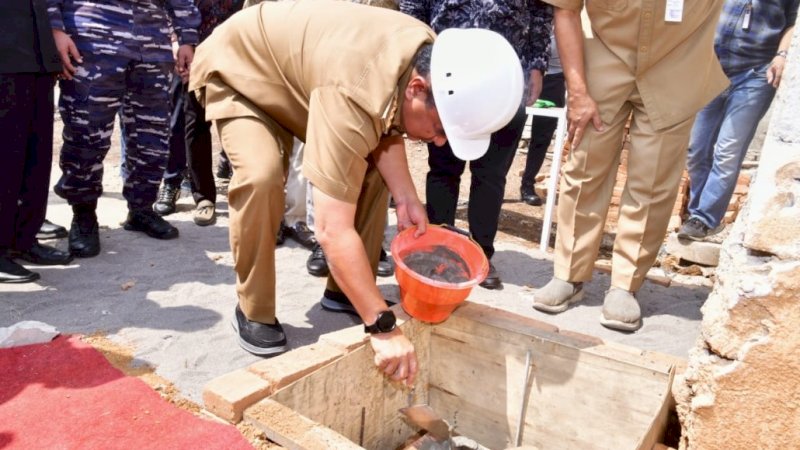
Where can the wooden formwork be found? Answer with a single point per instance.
(577, 392)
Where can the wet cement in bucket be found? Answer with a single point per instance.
(439, 263)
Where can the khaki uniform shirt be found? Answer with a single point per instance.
(672, 64)
(332, 73)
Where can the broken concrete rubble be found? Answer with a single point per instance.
(744, 373)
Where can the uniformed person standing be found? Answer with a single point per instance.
(652, 59)
(347, 80)
(117, 53)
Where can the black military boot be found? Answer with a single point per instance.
(84, 232)
(150, 223)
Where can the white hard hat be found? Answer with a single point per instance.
(477, 84)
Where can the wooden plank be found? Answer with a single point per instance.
(604, 266)
(658, 427)
(353, 398)
(576, 396)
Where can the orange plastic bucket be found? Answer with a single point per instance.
(433, 300)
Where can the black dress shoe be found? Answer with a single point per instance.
(281, 237)
(44, 255)
(385, 265)
(492, 280)
(150, 223)
(316, 264)
(302, 234)
(338, 302)
(11, 272)
(224, 169)
(529, 196)
(49, 230)
(260, 339)
(167, 197)
(84, 235)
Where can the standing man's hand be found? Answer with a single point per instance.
(581, 109)
(67, 51)
(183, 61)
(775, 70)
(395, 356)
(535, 83)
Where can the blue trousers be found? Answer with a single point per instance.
(104, 85)
(719, 141)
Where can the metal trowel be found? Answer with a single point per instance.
(426, 418)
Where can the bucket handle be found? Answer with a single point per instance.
(456, 229)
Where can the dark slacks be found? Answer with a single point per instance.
(26, 119)
(542, 128)
(487, 187)
(190, 146)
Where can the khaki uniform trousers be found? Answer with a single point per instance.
(655, 162)
(259, 151)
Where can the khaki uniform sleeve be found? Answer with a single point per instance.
(574, 5)
(339, 137)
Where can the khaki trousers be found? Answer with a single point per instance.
(655, 162)
(259, 151)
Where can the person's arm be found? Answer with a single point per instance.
(349, 266)
(535, 56)
(390, 159)
(775, 70)
(581, 107)
(67, 50)
(185, 20)
(419, 9)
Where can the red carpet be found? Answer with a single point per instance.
(66, 395)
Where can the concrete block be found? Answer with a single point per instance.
(347, 339)
(706, 253)
(228, 395)
(291, 366)
(294, 431)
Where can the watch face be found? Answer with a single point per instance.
(386, 321)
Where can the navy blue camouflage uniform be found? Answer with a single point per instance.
(128, 64)
(526, 24)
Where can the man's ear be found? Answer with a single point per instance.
(417, 85)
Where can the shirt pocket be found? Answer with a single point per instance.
(609, 5)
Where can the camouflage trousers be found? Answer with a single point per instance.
(103, 86)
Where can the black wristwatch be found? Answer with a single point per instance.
(385, 323)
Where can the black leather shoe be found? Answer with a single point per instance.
(529, 196)
(44, 255)
(260, 339)
(338, 302)
(150, 223)
(49, 230)
(302, 234)
(385, 265)
(492, 280)
(167, 197)
(224, 169)
(84, 235)
(11, 272)
(316, 264)
(281, 237)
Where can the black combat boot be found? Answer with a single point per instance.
(84, 232)
(150, 223)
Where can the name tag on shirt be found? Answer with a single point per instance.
(674, 12)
